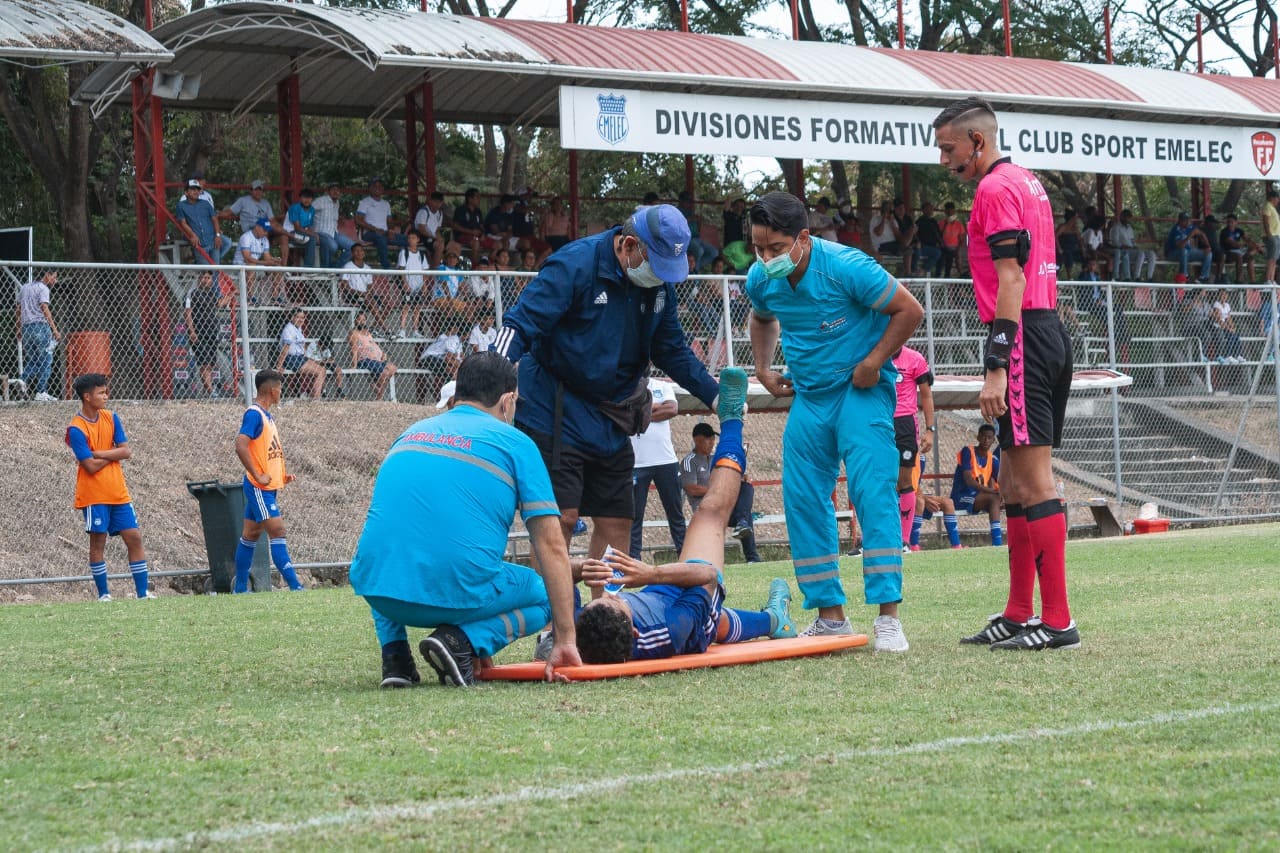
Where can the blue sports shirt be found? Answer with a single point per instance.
(79, 442)
(582, 322)
(442, 505)
(831, 319)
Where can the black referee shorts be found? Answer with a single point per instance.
(1039, 382)
(597, 486)
(904, 436)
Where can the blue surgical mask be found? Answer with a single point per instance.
(780, 266)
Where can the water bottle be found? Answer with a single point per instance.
(612, 588)
(52, 347)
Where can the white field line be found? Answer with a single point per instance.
(560, 793)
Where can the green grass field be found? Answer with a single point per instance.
(255, 722)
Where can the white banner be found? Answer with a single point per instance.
(677, 123)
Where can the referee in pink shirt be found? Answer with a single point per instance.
(1028, 369)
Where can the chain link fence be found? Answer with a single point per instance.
(1198, 431)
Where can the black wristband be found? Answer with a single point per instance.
(1003, 333)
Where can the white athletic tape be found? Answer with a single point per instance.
(422, 811)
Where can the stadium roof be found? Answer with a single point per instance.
(361, 62)
(39, 32)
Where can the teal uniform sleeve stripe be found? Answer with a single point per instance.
(461, 457)
(539, 506)
(817, 561)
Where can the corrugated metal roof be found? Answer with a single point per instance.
(360, 62)
(61, 31)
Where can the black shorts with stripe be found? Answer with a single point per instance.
(904, 437)
(1039, 382)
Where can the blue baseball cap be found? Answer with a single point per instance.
(665, 233)
(264, 224)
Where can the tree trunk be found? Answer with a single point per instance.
(839, 180)
(1144, 207)
(490, 153)
(1231, 200)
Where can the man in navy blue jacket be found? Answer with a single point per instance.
(584, 332)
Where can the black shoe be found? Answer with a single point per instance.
(1035, 638)
(998, 628)
(450, 654)
(398, 668)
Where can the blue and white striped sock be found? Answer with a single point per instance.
(953, 529)
(916, 524)
(244, 562)
(99, 572)
(284, 565)
(139, 572)
(997, 533)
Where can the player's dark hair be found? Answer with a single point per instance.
(483, 377)
(987, 428)
(961, 108)
(781, 212)
(88, 382)
(437, 196)
(604, 635)
(264, 376)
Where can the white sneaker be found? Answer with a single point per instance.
(43, 397)
(149, 594)
(827, 628)
(106, 597)
(889, 636)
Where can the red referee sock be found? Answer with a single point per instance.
(1022, 565)
(1047, 529)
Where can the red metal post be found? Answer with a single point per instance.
(429, 134)
(1008, 29)
(411, 150)
(1199, 43)
(289, 120)
(568, 16)
(795, 21)
(1106, 32)
(573, 195)
(684, 16)
(902, 30)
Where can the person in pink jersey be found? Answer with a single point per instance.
(915, 392)
(1028, 369)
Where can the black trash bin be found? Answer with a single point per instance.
(222, 517)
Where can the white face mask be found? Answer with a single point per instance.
(644, 276)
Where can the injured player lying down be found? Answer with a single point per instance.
(678, 608)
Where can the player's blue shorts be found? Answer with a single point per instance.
(109, 518)
(260, 504)
(964, 500)
(294, 362)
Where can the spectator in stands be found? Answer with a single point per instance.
(528, 261)
(447, 294)
(908, 236)
(255, 251)
(1230, 350)
(1070, 245)
(821, 222)
(954, 234)
(468, 223)
(373, 218)
(357, 287)
(525, 229)
(703, 253)
(850, 231)
(975, 485)
(443, 355)
(1237, 248)
(367, 355)
(885, 238)
(39, 334)
(1209, 227)
(734, 221)
(198, 177)
(199, 224)
(427, 222)
(695, 478)
(929, 242)
(707, 308)
(482, 290)
(250, 207)
(202, 307)
(413, 295)
(1196, 318)
(1186, 244)
(555, 224)
(1094, 300)
(1270, 217)
(483, 334)
(299, 223)
(499, 225)
(1131, 263)
(320, 350)
(335, 247)
(656, 463)
(927, 506)
(1093, 242)
(293, 354)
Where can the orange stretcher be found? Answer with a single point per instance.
(718, 655)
